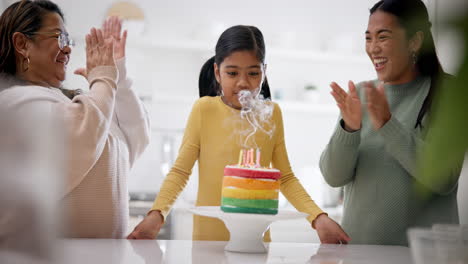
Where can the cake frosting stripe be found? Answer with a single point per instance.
(250, 184)
(249, 194)
(251, 203)
(252, 173)
(229, 209)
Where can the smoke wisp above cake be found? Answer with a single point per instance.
(247, 186)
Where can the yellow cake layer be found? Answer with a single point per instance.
(249, 194)
(250, 184)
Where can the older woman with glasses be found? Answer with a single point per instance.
(106, 129)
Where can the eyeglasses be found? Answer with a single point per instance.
(63, 38)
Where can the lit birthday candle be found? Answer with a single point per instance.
(252, 157)
(246, 158)
(240, 157)
(257, 164)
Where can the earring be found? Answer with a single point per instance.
(415, 58)
(27, 64)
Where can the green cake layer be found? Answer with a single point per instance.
(250, 203)
(247, 210)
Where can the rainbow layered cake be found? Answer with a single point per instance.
(249, 188)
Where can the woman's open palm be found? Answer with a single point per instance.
(349, 104)
(99, 51)
(112, 28)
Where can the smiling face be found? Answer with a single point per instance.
(389, 49)
(239, 71)
(48, 63)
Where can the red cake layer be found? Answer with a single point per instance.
(252, 173)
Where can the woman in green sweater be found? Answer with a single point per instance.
(373, 150)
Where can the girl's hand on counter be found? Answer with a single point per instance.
(329, 231)
(149, 227)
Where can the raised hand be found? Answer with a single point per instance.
(149, 227)
(112, 28)
(329, 231)
(99, 51)
(377, 105)
(349, 104)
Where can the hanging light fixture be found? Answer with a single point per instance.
(132, 15)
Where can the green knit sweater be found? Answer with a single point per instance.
(377, 170)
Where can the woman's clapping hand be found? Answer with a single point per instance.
(349, 104)
(99, 51)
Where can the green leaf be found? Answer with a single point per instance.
(447, 139)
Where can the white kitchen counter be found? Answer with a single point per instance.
(90, 251)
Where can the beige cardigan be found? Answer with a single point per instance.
(106, 129)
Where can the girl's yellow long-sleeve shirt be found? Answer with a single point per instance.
(214, 135)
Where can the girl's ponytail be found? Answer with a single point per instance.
(207, 84)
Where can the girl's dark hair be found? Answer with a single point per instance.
(25, 17)
(236, 38)
(413, 17)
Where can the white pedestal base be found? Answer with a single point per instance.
(246, 230)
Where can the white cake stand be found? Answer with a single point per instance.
(246, 229)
